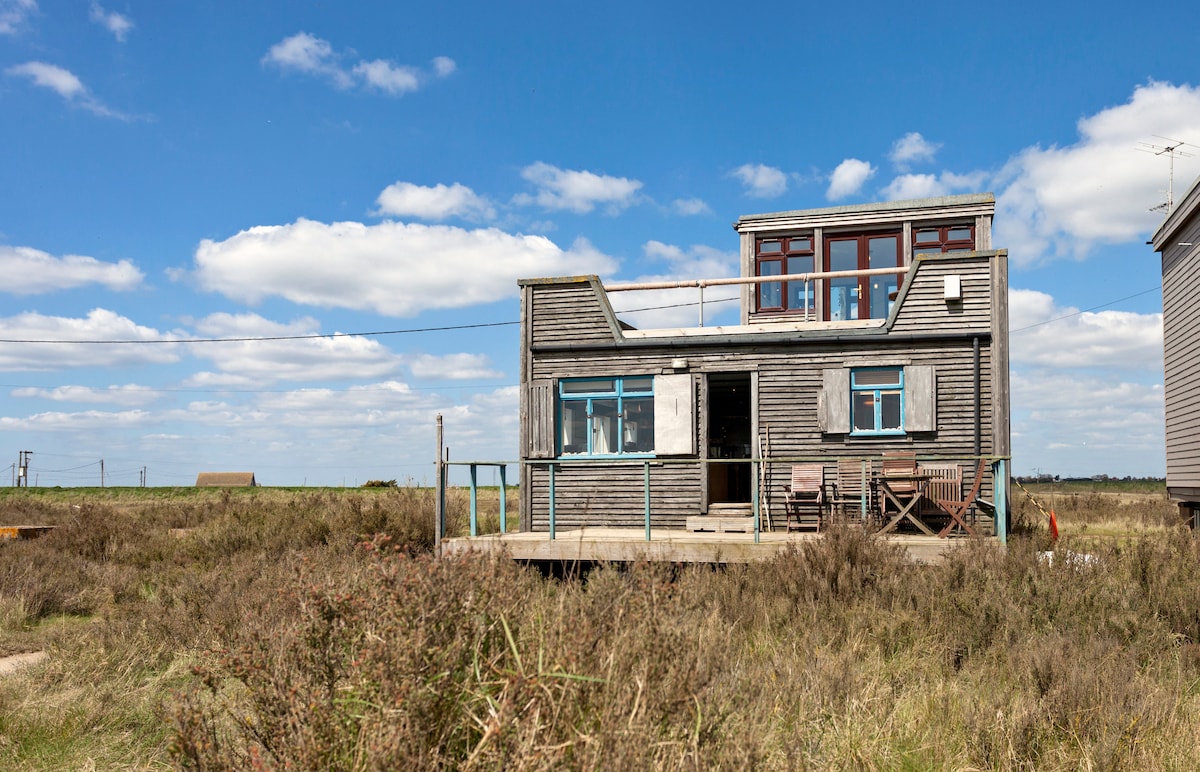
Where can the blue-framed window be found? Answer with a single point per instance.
(877, 400)
(606, 416)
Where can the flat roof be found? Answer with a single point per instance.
(985, 201)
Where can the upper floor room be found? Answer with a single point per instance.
(847, 263)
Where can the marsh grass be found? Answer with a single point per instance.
(276, 630)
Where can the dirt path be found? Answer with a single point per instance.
(15, 662)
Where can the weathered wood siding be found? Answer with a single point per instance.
(1181, 358)
(570, 313)
(927, 332)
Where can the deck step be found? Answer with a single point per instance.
(721, 524)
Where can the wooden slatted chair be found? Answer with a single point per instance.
(898, 463)
(804, 505)
(957, 507)
(852, 481)
(945, 484)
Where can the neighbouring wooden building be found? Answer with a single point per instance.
(863, 330)
(1178, 241)
(226, 480)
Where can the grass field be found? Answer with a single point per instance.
(310, 628)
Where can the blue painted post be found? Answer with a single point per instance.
(646, 478)
(754, 494)
(999, 477)
(503, 500)
(474, 503)
(552, 502)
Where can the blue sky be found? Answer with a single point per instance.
(189, 172)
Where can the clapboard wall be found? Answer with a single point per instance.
(957, 339)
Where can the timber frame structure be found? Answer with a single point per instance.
(863, 330)
(1178, 241)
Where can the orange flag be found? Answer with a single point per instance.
(1053, 526)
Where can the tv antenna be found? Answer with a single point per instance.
(1171, 149)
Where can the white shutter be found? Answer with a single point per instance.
(833, 405)
(920, 399)
(674, 415)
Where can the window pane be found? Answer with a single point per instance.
(770, 294)
(889, 411)
(862, 409)
(604, 426)
(889, 376)
(883, 252)
(802, 244)
(958, 234)
(843, 299)
(638, 384)
(638, 425)
(574, 426)
(598, 386)
(769, 247)
(800, 294)
(927, 237)
(843, 255)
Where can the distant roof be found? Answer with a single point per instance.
(225, 479)
(1184, 209)
(986, 200)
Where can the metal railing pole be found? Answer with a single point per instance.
(999, 476)
(646, 478)
(551, 502)
(474, 502)
(503, 500)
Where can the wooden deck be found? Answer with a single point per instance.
(618, 545)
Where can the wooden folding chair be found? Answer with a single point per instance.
(805, 501)
(957, 508)
(851, 485)
(900, 463)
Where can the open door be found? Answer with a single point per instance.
(730, 436)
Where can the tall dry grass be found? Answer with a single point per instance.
(270, 637)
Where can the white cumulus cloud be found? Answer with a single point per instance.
(14, 13)
(576, 190)
(931, 185)
(127, 395)
(848, 178)
(912, 148)
(393, 268)
(680, 307)
(452, 367)
(1044, 334)
(298, 359)
(761, 181)
(1063, 201)
(310, 55)
(120, 26)
(64, 83)
(73, 342)
(439, 202)
(30, 271)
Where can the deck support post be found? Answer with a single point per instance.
(503, 500)
(863, 487)
(551, 502)
(439, 499)
(1000, 483)
(474, 501)
(646, 476)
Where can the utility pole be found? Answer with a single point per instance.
(101, 473)
(23, 469)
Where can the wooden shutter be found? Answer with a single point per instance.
(539, 419)
(833, 404)
(674, 415)
(920, 399)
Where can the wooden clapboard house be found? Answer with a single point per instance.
(863, 330)
(1178, 240)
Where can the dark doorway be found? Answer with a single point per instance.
(729, 437)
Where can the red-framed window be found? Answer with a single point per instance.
(780, 256)
(943, 238)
